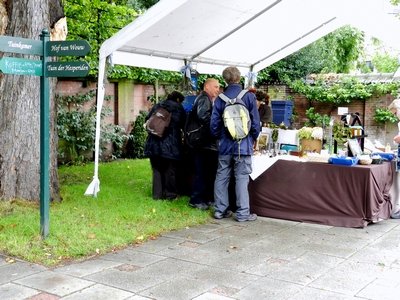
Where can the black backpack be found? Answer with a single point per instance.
(194, 130)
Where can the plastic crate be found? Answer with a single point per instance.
(344, 161)
(385, 155)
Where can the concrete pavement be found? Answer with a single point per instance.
(265, 259)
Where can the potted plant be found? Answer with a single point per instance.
(311, 139)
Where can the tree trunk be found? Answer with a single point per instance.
(20, 110)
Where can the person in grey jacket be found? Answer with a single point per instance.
(234, 157)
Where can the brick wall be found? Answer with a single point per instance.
(71, 88)
(128, 101)
(125, 99)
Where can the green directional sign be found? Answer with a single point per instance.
(68, 48)
(20, 45)
(20, 66)
(67, 69)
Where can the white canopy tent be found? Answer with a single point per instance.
(209, 35)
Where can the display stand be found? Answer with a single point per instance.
(353, 121)
(357, 131)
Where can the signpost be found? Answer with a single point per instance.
(68, 48)
(45, 69)
(20, 45)
(21, 66)
(67, 69)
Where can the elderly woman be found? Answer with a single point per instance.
(264, 109)
(395, 108)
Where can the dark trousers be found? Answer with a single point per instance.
(164, 177)
(205, 167)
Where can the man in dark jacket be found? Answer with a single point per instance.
(165, 152)
(205, 155)
(234, 156)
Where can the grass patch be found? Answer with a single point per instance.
(123, 213)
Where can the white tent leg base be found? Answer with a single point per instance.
(93, 188)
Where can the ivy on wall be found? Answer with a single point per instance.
(384, 115)
(344, 91)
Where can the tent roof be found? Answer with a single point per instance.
(210, 35)
(253, 34)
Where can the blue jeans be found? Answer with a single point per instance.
(241, 168)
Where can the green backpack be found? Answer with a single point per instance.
(236, 116)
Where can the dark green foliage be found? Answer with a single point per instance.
(336, 52)
(144, 74)
(75, 127)
(140, 5)
(95, 21)
(138, 136)
(98, 20)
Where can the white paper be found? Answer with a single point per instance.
(261, 163)
(342, 111)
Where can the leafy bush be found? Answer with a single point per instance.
(138, 136)
(316, 119)
(383, 115)
(76, 126)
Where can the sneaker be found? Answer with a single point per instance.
(251, 217)
(226, 214)
(201, 206)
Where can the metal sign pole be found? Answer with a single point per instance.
(44, 141)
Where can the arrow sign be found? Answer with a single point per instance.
(20, 45)
(67, 69)
(21, 66)
(68, 48)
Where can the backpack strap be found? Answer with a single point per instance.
(231, 101)
(241, 94)
(226, 98)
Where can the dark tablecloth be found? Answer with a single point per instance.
(347, 196)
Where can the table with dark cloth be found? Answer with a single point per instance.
(337, 195)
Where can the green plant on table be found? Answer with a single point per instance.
(274, 135)
(310, 133)
(340, 133)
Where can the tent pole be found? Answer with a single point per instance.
(94, 186)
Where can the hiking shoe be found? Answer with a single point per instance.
(251, 217)
(201, 206)
(226, 214)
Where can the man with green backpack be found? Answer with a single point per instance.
(235, 122)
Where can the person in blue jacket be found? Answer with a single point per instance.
(234, 158)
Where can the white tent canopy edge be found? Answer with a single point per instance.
(175, 33)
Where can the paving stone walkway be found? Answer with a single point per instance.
(265, 259)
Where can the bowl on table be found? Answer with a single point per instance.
(365, 160)
(376, 159)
